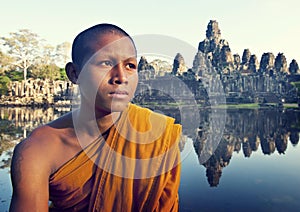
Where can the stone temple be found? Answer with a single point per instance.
(241, 79)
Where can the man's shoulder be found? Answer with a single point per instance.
(42, 144)
(46, 134)
(32, 153)
(37, 143)
(45, 147)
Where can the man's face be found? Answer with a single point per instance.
(109, 78)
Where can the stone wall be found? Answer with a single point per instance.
(39, 92)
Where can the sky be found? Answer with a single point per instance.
(259, 25)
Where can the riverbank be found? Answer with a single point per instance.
(38, 101)
(227, 106)
(258, 106)
(50, 102)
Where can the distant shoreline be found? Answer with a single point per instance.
(258, 106)
(66, 104)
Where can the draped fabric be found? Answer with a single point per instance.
(135, 169)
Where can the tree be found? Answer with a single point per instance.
(5, 63)
(23, 47)
(62, 53)
(14, 75)
(4, 81)
(48, 55)
(63, 74)
(46, 71)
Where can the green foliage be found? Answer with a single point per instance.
(4, 81)
(239, 106)
(63, 74)
(14, 75)
(43, 71)
(5, 62)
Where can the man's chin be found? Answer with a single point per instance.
(119, 107)
(115, 106)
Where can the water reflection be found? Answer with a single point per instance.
(16, 123)
(248, 131)
(245, 130)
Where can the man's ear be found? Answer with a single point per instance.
(72, 72)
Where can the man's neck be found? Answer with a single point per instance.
(89, 124)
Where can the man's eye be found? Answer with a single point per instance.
(105, 63)
(131, 66)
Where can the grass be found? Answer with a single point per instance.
(255, 106)
(239, 106)
(292, 105)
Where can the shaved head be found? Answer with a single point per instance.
(83, 45)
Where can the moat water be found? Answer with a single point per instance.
(253, 167)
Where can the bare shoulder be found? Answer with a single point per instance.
(43, 147)
(34, 152)
(30, 169)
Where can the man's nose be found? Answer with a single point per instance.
(119, 75)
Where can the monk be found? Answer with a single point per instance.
(107, 155)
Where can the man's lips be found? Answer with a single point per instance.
(118, 94)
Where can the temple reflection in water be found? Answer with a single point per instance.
(16, 123)
(246, 130)
(249, 131)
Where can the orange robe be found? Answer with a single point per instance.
(136, 169)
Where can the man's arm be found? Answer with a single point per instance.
(29, 175)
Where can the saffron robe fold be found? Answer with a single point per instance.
(135, 169)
